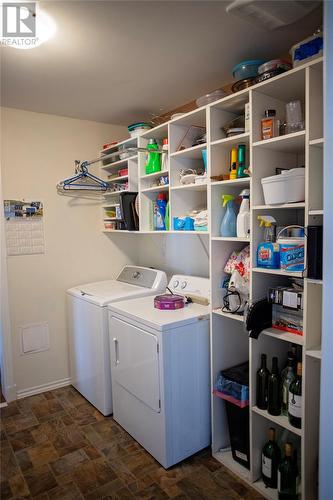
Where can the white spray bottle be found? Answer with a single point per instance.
(243, 217)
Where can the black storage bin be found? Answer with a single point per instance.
(238, 417)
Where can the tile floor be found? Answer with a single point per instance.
(57, 446)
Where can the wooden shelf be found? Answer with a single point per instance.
(280, 420)
(232, 182)
(152, 189)
(289, 143)
(117, 179)
(119, 163)
(281, 272)
(314, 353)
(314, 281)
(193, 187)
(316, 212)
(284, 206)
(225, 458)
(225, 238)
(230, 141)
(237, 317)
(154, 174)
(269, 493)
(193, 153)
(293, 338)
(319, 143)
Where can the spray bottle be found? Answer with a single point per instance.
(268, 255)
(243, 217)
(228, 224)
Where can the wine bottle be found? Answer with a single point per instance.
(270, 460)
(287, 376)
(262, 384)
(295, 399)
(274, 389)
(288, 479)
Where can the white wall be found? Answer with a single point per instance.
(326, 407)
(38, 150)
(182, 254)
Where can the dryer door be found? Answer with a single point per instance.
(135, 361)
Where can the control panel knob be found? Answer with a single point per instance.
(175, 283)
(136, 275)
(184, 284)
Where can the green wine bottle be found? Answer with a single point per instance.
(262, 384)
(287, 377)
(288, 478)
(295, 399)
(270, 460)
(274, 389)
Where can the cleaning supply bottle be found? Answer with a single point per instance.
(268, 254)
(243, 217)
(154, 159)
(233, 163)
(241, 153)
(228, 224)
(167, 217)
(165, 149)
(161, 205)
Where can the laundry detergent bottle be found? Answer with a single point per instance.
(154, 159)
(243, 217)
(268, 253)
(161, 206)
(228, 224)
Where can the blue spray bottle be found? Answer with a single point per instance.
(268, 251)
(229, 221)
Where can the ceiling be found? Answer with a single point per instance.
(117, 62)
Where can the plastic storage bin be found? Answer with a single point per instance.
(288, 187)
(233, 386)
(247, 69)
(307, 50)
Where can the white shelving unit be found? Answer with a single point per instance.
(230, 344)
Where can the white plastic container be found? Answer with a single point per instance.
(288, 187)
(311, 48)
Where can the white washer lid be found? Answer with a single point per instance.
(142, 311)
(103, 292)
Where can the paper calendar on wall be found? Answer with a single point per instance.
(24, 227)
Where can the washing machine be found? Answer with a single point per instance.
(160, 370)
(89, 349)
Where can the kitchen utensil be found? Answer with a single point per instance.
(243, 84)
(294, 116)
(246, 69)
(211, 97)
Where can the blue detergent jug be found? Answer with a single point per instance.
(229, 221)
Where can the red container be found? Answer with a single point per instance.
(122, 172)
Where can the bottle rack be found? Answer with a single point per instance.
(230, 344)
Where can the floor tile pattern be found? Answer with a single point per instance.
(56, 446)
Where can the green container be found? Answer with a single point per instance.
(154, 159)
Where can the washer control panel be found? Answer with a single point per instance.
(190, 285)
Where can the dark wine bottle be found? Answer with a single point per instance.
(288, 476)
(274, 389)
(270, 460)
(295, 399)
(262, 384)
